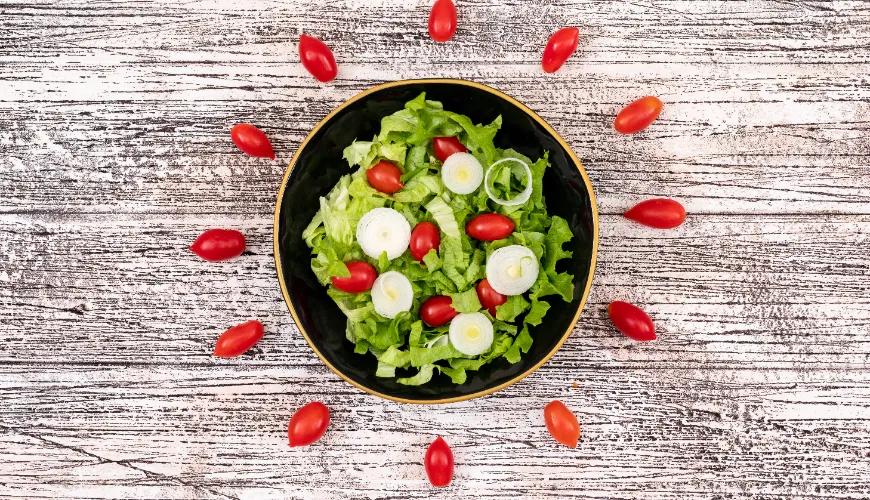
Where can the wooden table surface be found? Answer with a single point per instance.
(115, 155)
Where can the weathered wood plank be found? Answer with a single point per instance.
(725, 291)
(754, 123)
(689, 433)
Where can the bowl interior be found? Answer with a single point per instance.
(318, 167)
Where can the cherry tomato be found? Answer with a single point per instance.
(660, 213)
(638, 115)
(238, 339)
(446, 146)
(488, 297)
(252, 141)
(489, 227)
(308, 424)
(439, 463)
(437, 310)
(424, 237)
(632, 321)
(442, 20)
(562, 423)
(317, 58)
(385, 177)
(362, 277)
(216, 245)
(559, 48)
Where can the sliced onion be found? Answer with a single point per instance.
(512, 270)
(383, 230)
(522, 197)
(462, 173)
(471, 334)
(392, 294)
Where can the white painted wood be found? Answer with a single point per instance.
(114, 155)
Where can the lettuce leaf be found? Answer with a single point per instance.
(423, 376)
(465, 302)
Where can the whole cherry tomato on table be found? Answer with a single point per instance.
(562, 423)
(638, 115)
(439, 463)
(442, 20)
(252, 141)
(362, 277)
(308, 424)
(488, 297)
(424, 237)
(317, 58)
(660, 213)
(238, 339)
(385, 177)
(632, 321)
(489, 227)
(559, 48)
(216, 245)
(437, 310)
(446, 146)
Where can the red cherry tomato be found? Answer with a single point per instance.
(660, 213)
(488, 297)
(362, 277)
(252, 141)
(238, 339)
(317, 58)
(638, 115)
(424, 237)
(489, 227)
(385, 177)
(442, 20)
(437, 310)
(216, 245)
(559, 48)
(446, 146)
(439, 463)
(562, 423)
(632, 321)
(308, 424)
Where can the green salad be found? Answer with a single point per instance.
(439, 252)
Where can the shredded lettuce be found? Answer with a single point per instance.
(406, 349)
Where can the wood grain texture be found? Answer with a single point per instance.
(114, 155)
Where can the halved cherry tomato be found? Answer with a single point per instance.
(446, 146)
(385, 177)
(216, 245)
(252, 141)
(308, 424)
(362, 277)
(638, 115)
(238, 339)
(489, 227)
(632, 321)
(562, 423)
(439, 463)
(488, 297)
(437, 310)
(424, 237)
(442, 20)
(559, 48)
(317, 58)
(660, 213)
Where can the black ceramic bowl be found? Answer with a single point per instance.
(318, 165)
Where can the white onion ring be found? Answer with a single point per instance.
(383, 230)
(512, 270)
(522, 197)
(471, 334)
(450, 173)
(392, 294)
